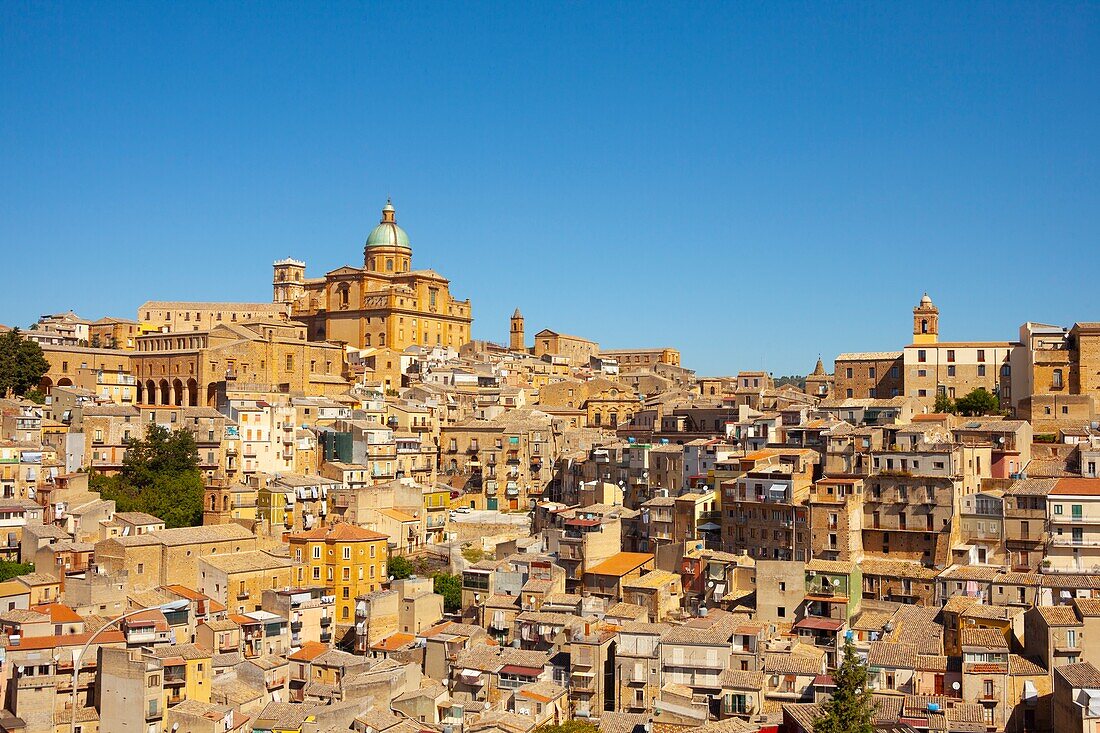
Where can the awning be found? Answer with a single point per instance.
(1030, 692)
(827, 599)
(470, 676)
(520, 670)
(816, 623)
(710, 527)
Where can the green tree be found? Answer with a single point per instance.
(94, 342)
(22, 364)
(569, 726)
(160, 476)
(400, 567)
(978, 402)
(9, 569)
(450, 587)
(850, 709)
(943, 403)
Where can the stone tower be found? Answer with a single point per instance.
(288, 282)
(926, 322)
(819, 384)
(518, 340)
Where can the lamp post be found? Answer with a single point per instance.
(78, 653)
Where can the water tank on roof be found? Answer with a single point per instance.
(933, 707)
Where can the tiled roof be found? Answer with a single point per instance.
(1076, 487)
(1058, 615)
(800, 664)
(892, 654)
(1082, 674)
(1024, 666)
(989, 638)
(342, 532)
(622, 563)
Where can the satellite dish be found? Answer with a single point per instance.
(955, 686)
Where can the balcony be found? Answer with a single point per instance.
(326, 621)
(1073, 542)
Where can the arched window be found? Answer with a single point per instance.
(924, 325)
(389, 264)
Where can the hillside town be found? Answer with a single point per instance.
(395, 527)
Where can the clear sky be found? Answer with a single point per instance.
(755, 183)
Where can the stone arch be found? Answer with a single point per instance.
(165, 393)
(213, 502)
(64, 382)
(150, 392)
(212, 395)
(45, 385)
(225, 503)
(177, 392)
(192, 393)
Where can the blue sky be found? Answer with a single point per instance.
(755, 183)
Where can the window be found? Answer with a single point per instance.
(1056, 380)
(317, 552)
(781, 611)
(981, 370)
(951, 370)
(922, 355)
(347, 553)
(1057, 510)
(981, 354)
(871, 372)
(848, 372)
(951, 355)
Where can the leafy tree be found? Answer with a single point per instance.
(850, 709)
(943, 403)
(569, 726)
(792, 379)
(400, 567)
(94, 342)
(36, 396)
(9, 569)
(22, 364)
(450, 587)
(978, 402)
(160, 476)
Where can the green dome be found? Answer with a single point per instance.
(387, 233)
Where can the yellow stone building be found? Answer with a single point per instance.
(383, 303)
(193, 367)
(348, 559)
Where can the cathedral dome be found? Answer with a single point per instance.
(387, 233)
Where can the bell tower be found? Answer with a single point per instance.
(518, 340)
(926, 322)
(288, 283)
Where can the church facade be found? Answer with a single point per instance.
(384, 303)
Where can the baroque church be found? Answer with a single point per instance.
(384, 303)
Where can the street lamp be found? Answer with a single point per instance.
(78, 653)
